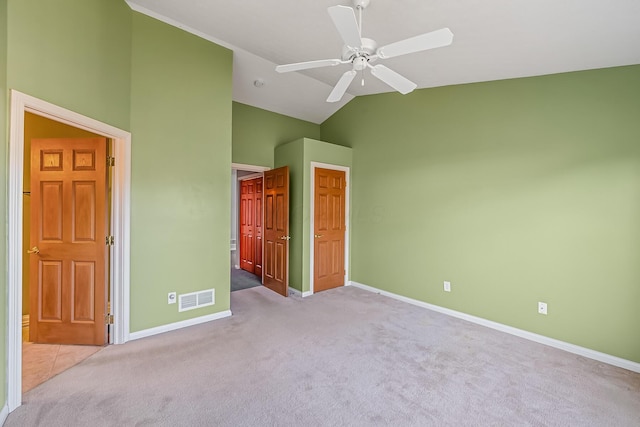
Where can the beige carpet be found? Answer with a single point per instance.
(344, 357)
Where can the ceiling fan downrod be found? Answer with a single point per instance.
(360, 5)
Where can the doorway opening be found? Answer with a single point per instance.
(65, 284)
(118, 270)
(246, 226)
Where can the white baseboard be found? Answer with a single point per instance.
(4, 413)
(178, 325)
(562, 345)
(298, 293)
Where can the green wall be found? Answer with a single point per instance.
(516, 191)
(298, 155)
(172, 90)
(4, 102)
(292, 155)
(181, 152)
(257, 132)
(73, 53)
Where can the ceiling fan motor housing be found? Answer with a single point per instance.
(367, 50)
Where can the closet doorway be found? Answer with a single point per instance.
(244, 179)
(250, 221)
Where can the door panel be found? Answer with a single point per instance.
(258, 228)
(329, 228)
(276, 230)
(251, 226)
(247, 213)
(68, 226)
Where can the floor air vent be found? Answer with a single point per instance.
(196, 300)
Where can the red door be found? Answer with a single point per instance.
(251, 225)
(247, 220)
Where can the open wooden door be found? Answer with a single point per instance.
(257, 264)
(329, 229)
(68, 249)
(276, 230)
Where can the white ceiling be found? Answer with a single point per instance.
(493, 40)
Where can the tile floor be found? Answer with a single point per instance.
(40, 362)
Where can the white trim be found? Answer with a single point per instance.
(167, 20)
(21, 103)
(249, 168)
(252, 176)
(312, 172)
(298, 293)
(4, 413)
(541, 339)
(178, 325)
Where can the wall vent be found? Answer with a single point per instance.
(196, 299)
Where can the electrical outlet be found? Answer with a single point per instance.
(171, 298)
(447, 286)
(542, 307)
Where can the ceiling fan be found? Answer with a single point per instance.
(361, 52)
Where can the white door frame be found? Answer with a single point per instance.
(120, 226)
(312, 245)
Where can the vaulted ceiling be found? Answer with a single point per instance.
(493, 40)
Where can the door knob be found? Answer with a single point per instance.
(33, 250)
(285, 237)
(317, 236)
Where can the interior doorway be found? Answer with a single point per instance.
(66, 192)
(118, 270)
(275, 225)
(331, 261)
(246, 226)
(329, 228)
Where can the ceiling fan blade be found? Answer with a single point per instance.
(308, 65)
(393, 79)
(432, 40)
(341, 86)
(344, 18)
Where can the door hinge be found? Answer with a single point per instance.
(109, 240)
(111, 161)
(108, 319)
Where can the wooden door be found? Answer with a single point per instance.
(329, 229)
(257, 230)
(251, 225)
(247, 219)
(68, 250)
(276, 230)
